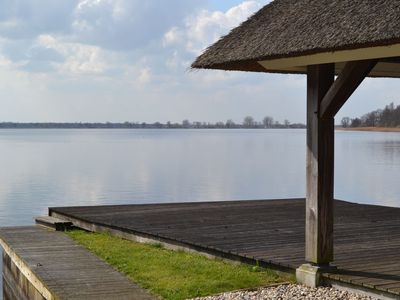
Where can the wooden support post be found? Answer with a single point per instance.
(320, 168)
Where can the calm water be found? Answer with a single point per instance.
(42, 168)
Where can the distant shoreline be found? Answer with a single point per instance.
(163, 128)
(375, 129)
(156, 125)
(366, 129)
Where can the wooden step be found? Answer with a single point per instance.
(53, 223)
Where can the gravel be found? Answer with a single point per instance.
(288, 291)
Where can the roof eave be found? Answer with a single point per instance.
(297, 64)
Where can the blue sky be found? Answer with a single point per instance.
(223, 5)
(128, 60)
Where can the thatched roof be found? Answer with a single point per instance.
(293, 28)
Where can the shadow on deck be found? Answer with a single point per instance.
(367, 237)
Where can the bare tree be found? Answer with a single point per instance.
(346, 122)
(248, 122)
(286, 123)
(268, 122)
(197, 124)
(356, 122)
(230, 124)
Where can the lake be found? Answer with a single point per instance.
(56, 167)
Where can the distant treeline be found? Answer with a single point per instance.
(387, 117)
(248, 122)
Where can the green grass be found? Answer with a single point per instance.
(174, 274)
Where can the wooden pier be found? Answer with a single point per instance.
(270, 232)
(44, 264)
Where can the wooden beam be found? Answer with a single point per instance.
(366, 53)
(394, 60)
(320, 168)
(345, 84)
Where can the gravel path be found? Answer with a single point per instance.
(290, 291)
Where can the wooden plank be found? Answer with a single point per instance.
(367, 237)
(320, 168)
(346, 83)
(53, 266)
(53, 223)
(15, 284)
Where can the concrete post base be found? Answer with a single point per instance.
(310, 275)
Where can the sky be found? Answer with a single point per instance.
(129, 60)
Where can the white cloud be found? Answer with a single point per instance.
(127, 24)
(145, 76)
(205, 27)
(78, 58)
(4, 62)
(85, 60)
(97, 36)
(198, 31)
(117, 60)
(174, 36)
(147, 81)
(26, 19)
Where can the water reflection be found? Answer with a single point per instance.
(42, 168)
(368, 167)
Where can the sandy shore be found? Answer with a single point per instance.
(377, 129)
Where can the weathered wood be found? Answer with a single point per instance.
(53, 223)
(15, 284)
(320, 168)
(44, 264)
(367, 237)
(353, 73)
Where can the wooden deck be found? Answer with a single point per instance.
(367, 237)
(45, 264)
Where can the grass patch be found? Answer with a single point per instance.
(174, 275)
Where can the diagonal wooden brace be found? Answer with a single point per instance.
(353, 73)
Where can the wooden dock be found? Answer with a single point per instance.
(44, 264)
(367, 237)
